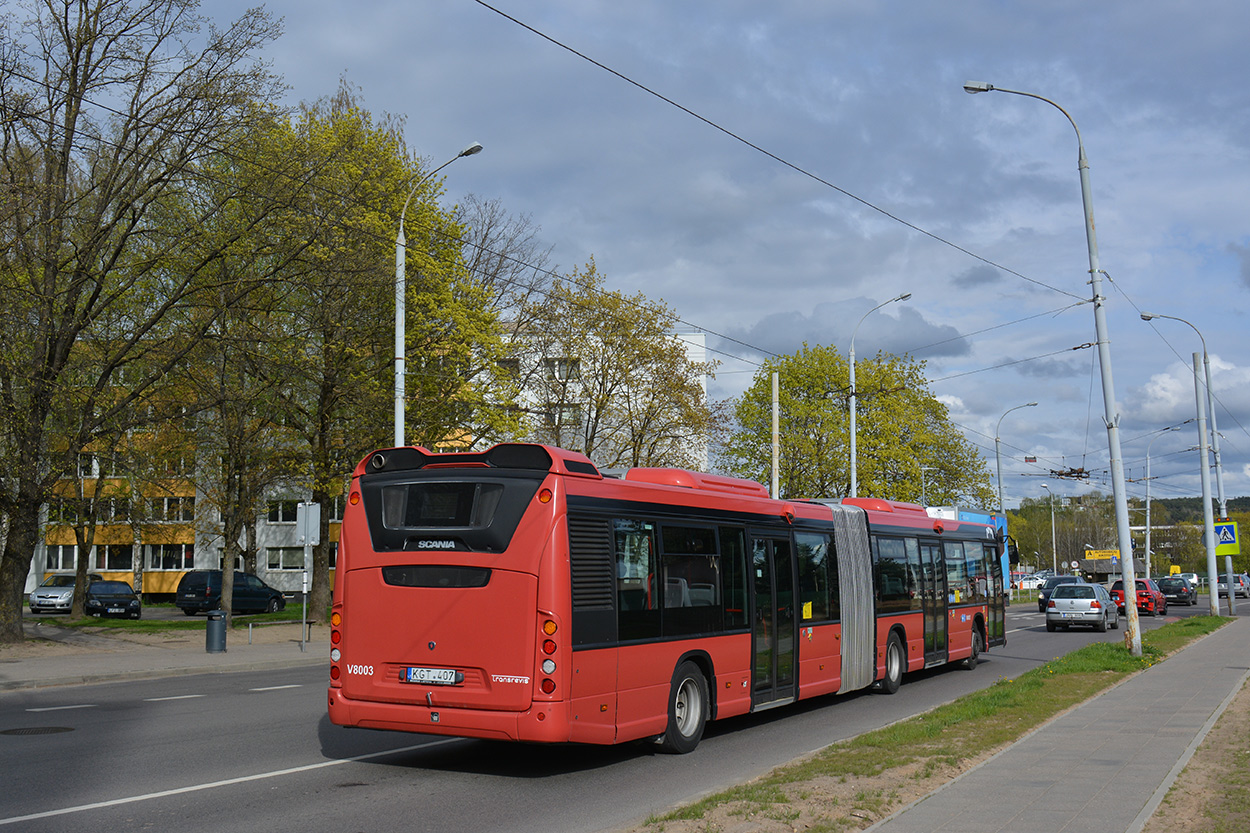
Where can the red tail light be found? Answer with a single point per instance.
(1050, 603)
(1095, 605)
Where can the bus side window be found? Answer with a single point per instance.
(816, 590)
(733, 552)
(638, 614)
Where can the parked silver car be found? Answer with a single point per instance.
(56, 594)
(1081, 604)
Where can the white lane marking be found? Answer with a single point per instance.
(275, 687)
(63, 708)
(175, 697)
(117, 802)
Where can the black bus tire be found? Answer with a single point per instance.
(895, 660)
(688, 708)
(977, 646)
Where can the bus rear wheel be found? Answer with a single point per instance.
(895, 659)
(688, 707)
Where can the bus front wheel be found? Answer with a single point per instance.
(978, 645)
(688, 706)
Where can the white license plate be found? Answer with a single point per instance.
(117, 610)
(1071, 616)
(432, 676)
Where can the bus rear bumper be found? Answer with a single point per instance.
(540, 723)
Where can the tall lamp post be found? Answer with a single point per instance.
(401, 293)
(1215, 432)
(998, 455)
(1110, 416)
(854, 477)
(1054, 550)
(1148, 447)
(1208, 521)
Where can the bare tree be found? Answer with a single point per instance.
(108, 110)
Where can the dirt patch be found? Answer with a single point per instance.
(1210, 794)
(825, 804)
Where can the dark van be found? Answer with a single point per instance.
(200, 591)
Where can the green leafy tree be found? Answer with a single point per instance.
(901, 428)
(107, 110)
(337, 366)
(608, 376)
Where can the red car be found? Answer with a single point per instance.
(1150, 598)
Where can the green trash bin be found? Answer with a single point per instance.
(215, 636)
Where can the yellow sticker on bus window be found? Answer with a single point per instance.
(807, 610)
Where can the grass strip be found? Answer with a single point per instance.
(934, 746)
(291, 613)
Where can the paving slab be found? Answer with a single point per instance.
(1102, 767)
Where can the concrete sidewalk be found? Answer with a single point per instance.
(1102, 767)
(116, 658)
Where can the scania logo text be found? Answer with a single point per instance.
(436, 545)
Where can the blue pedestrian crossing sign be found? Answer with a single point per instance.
(1226, 538)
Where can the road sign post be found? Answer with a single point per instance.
(308, 532)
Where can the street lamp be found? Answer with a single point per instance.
(1148, 446)
(854, 478)
(998, 456)
(1054, 557)
(1110, 417)
(1205, 469)
(401, 293)
(1215, 431)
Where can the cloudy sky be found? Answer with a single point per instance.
(775, 170)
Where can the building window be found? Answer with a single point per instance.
(61, 557)
(563, 369)
(115, 557)
(171, 556)
(87, 466)
(282, 511)
(173, 509)
(285, 558)
(564, 416)
(175, 463)
(510, 368)
(114, 510)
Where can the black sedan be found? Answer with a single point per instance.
(1043, 592)
(1178, 590)
(113, 598)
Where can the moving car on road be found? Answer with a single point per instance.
(1048, 586)
(1081, 604)
(1148, 597)
(1241, 587)
(1178, 590)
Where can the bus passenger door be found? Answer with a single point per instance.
(933, 595)
(774, 641)
(997, 598)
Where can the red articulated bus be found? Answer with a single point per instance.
(519, 594)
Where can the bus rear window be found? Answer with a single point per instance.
(439, 505)
(444, 510)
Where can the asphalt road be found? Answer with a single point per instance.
(255, 751)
